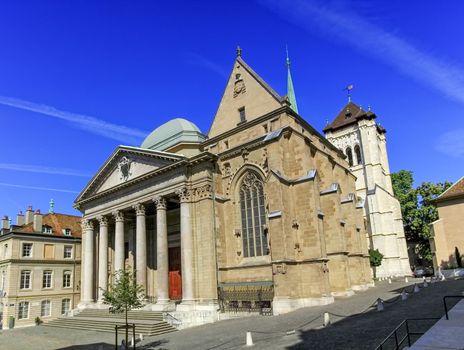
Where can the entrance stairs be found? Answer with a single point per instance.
(148, 323)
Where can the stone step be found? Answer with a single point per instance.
(105, 326)
(130, 315)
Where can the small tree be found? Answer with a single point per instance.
(375, 258)
(124, 295)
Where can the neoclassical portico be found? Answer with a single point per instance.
(98, 235)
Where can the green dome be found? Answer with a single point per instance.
(171, 133)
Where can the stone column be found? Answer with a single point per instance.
(119, 241)
(87, 291)
(141, 246)
(102, 257)
(186, 245)
(162, 250)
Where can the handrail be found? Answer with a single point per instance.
(167, 314)
(446, 306)
(399, 342)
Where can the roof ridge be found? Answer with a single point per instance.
(452, 186)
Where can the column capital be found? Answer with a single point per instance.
(87, 225)
(118, 215)
(160, 202)
(102, 220)
(185, 194)
(139, 209)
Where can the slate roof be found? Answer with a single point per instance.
(58, 222)
(350, 114)
(456, 190)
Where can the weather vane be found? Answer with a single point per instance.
(348, 90)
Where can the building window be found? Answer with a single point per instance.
(253, 216)
(45, 309)
(357, 152)
(65, 306)
(27, 250)
(47, 229)
(67, 231)
(67, 252)
(67, 279)
(5, 250)
(241, 112)
(47, 279)
(23, 310)
(25, 282)
(349, 154)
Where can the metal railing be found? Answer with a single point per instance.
(395, 334)
(446, 306)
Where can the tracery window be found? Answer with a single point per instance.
(357, 152)
(252, 214)
(349, 154)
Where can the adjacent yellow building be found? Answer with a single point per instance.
(448, 230)
(39, 267)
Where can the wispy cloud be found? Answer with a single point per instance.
(81, 121)
(36, 188)
(341, 22)
(451, 143)
(42, 169)
(199, 60)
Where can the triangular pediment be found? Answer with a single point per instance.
(245, 89)
(126, 164)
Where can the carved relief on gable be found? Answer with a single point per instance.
(239, 85)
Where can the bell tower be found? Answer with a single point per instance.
(363, 141)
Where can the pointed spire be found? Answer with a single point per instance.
(51, 210)
(239, 51)
(290, 90)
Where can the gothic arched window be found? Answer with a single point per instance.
(252, 215)
(357, 152)
(349, 154)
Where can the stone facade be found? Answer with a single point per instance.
(355, 132)
(264, 214)
(39, 269)
(448, 230)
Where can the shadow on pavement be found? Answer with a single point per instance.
(106, 346)
(367, 330)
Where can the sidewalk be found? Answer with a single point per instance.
(445, 334)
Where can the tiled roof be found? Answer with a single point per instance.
(350, 114)
(58, 222)
(456, 190)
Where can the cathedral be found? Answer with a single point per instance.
(261, 214)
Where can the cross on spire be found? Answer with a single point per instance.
(239, 51)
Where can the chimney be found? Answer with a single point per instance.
(20, 219)
(29, 215)
(5, 222)
(37, 221)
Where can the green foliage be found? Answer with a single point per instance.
(38, 321)
(124, 294)
(375, 257)
(417, 209)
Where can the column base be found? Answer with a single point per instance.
(164, 305)
(282, 305)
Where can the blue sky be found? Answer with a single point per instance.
(78, 78)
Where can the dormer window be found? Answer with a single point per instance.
(47, 229)
(67, 231)
(242, 115)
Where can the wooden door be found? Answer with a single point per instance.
(175, 277)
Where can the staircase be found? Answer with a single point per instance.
(148, 323)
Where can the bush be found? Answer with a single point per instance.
(375, 257)
(38, 321)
